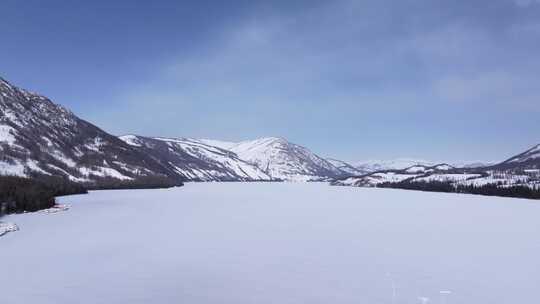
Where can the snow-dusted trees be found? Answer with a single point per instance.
(519, 191)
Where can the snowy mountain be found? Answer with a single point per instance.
(393, 164)
(226, 145)
(284, 160)
(447, 174)
(38, 137)
(403, 163)
(463, 178)
(472, 164)
(528, 160)
(346, 168)
(195, 160)
(518, 176)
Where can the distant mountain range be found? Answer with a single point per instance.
(444, 178)
(518, 176)
(38, 137)
(403, 163)
(265, 159)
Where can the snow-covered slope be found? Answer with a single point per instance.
(226, 145)
(394, 176)
(464, 178)
(447, 174)
(393, 164)
(196, 160)
(38, 137)
(529, 159)
(345, 167)
(520, 170)
(284, 160)
(403, 163)
(472, 164)
(262, 159)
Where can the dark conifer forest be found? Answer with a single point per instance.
(19, 194)
(488, 189)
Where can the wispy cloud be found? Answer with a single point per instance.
(345, 67)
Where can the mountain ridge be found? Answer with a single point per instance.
(197, 161)
(528, 160)
(285, 160)
(39, 137)
(276, 158)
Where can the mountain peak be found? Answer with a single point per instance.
(284, 160)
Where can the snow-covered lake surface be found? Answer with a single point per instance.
(274, 243)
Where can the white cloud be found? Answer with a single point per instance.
(338, 71)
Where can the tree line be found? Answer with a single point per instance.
(517, 191)
(18, 194)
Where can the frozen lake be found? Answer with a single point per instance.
(274, 243)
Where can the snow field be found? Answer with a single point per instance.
(274, 243)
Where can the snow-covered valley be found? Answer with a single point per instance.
(274, 243)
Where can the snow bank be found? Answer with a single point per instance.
(56, 208)
(7, 227)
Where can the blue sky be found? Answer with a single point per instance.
(441, 80)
